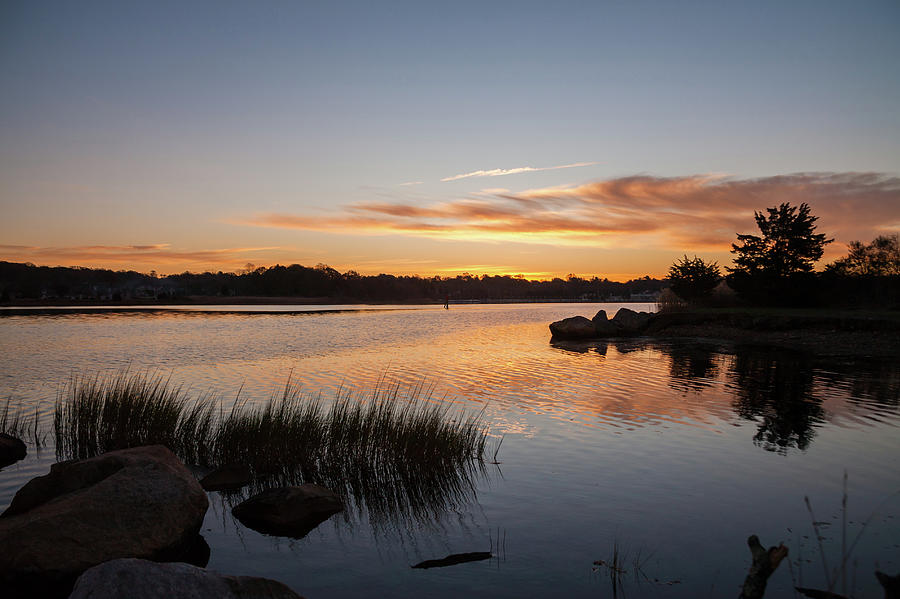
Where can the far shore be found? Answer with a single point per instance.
(215, 300)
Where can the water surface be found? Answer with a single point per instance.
(676, 449)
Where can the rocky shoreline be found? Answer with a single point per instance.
(858, 335)
(127, 523)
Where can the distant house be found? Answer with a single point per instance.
(645, 296)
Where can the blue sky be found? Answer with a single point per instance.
(207, 135)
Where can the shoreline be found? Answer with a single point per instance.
(822, 332)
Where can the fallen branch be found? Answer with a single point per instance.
(456, 558)
(764, 564)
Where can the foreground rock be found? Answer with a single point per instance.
(577, 327)
(142, 579)
(11, 450)
(603, 327)
(288, 511)
(630, 322)
(625, 323)
(140, 502)
(229, 477)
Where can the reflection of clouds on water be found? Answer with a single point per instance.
(501, 425)
(496, 358)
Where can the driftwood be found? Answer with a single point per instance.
(456, 558)
(764, 564)
(816, 594)
(891, 585)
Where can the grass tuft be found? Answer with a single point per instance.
(394, 449)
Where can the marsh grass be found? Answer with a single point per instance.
(94, 415)
(837, 574)
(16, 422)
(392, 451)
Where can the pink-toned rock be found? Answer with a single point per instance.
(141, 502)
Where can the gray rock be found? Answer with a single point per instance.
(288, 511)
(604, 327)
(142, 579)
(229, 477)
(576, 327)
(141, 502)
(631, 322)
(11, 450)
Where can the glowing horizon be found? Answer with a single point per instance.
(138, 138)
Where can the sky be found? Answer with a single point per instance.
(536, 138)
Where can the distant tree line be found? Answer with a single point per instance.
(777, 267)
(27, 281)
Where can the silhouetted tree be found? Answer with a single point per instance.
(879, 258)
(771, 267)
(693, 279)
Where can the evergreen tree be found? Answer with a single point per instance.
(788, 246)
(692, 279)
(777, 267)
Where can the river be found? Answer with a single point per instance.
(674, 451)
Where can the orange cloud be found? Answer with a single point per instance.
(689, 213)
(129, 256)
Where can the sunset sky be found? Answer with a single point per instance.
(595, 138)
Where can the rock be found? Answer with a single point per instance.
(576, 327)
(288, 511)
(142, 579)
(229, 477)
(141, 502)
(604, 327)
(11, 450)
(631, 322)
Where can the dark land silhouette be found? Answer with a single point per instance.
(25, 283)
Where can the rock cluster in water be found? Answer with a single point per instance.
(625, 323)
(140, 502)
(99, 519)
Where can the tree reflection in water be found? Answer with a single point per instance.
(692, 367)
(776, 390)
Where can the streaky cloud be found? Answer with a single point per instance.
(500, 172)
(684, 213)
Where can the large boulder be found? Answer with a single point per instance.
(604, 327)
(11, 450)
(576, 327)
(288, 511)
(141, 502)
(630, 322)
(142, 579)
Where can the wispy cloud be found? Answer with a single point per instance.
(687, 213)
(409, 183)
(500, 172)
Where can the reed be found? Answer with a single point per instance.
(16, 422)
(394, 449)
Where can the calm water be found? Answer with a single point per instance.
(676, 450)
